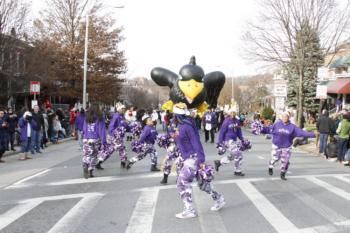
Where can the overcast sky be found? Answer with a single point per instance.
(167, 33)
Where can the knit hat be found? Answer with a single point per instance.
(180, 109)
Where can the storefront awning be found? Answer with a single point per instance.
(340, 86)
(341, 62)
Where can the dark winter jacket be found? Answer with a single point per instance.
(324, 124)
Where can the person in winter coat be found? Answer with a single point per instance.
(324, 127)
(343, 132)
(209, 124)
(12, 120)
(4, 136)
(26, 124)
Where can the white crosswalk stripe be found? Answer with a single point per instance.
(142, 216)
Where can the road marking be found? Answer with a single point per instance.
(142, 217)
(330, 187)
(329, 228)
(70, 218)
(210, 221)
(261, 157)
(342, 178)
(74, 217)
(267, 209)
(316, 205)
(104, 179)
(18, 211)
(20, 182)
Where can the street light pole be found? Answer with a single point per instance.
(85, 58)
(86, 51)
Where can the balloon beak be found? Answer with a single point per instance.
(191, 89)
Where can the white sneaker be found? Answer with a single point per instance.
(187, 214)
(218, 204)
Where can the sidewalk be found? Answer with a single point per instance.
(14, 170)
(18, 148)
(310, 147)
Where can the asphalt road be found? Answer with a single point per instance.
(48, 194)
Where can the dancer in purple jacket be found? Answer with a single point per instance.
(283, 132)
(191, 149)
(94, 135)
(229, 132)
(145, 145)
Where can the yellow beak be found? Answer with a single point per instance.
(191, 89)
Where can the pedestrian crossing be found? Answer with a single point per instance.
(278, 206)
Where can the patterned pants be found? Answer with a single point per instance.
(234, 154)
(113, 144)
(148, 149)
(186, 176)
(173, 156)
(90, 150)
(282, 154)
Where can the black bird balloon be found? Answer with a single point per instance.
(193, 87)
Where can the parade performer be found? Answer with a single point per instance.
(283, 132)
(188, 141)
(167, 141)
(256, 126)
(115, 138)
(79, 123)
(229, 132)
(94, 134)
(194, 88)
(145, 145)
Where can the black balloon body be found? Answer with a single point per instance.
(192, 87)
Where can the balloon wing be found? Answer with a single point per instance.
(213, 83)
(164, 77)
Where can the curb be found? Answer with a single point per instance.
(11, 153)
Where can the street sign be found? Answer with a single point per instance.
(34, 103)
(322, 73)
(279, 104)
(280, 90)
(321, 91)
(34, 88)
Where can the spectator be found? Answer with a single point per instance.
(209, 124)
(3, 134)
(45, 130)
(72, 116)
(37, 129)
(129, 117)
(50, 118)
(332, 148)
(12, 120)
(338, 104)
(310, 126)
(343, 137)
(154, 117)
(324, 126)
(26, 123)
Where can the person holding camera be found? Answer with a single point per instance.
(26, 123)
(3, 134)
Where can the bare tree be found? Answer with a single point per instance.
(279, 37)
(13, 18)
